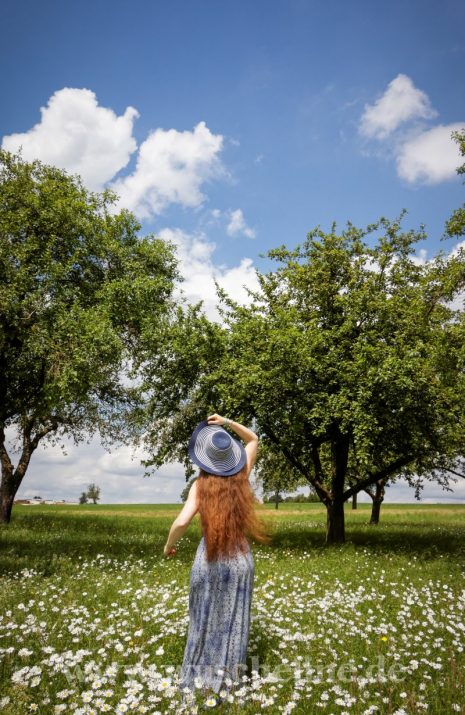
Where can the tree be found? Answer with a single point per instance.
(455, 226)
(93, 493)
(376, 493)
(373, 383)
(83, 498)
(80, 297)
(350, 359)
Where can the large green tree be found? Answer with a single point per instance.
(349, 358)
(366, 359)
(80, 296)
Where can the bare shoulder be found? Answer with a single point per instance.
(251, 452)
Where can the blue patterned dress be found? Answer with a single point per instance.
(220, 596)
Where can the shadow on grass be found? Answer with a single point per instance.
(44, 541)
(405, 538)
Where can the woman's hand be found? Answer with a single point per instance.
(216, 420)
(169, 552)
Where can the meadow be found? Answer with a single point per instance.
(94, 618)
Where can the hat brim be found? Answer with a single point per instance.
(205, 467)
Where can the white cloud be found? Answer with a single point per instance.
(430, 157)
(78, 135)
(124, 461)
(171, 168)
(119, 474)
(196, 265)
(400, 102)
(427, 156)
(237, 225)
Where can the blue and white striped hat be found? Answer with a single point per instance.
(215, 451)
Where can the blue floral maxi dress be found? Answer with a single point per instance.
(220, 596)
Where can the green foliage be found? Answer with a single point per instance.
(302, 498)
(179, 354)
(350, 359)
(352, 342)
(93, 493)
(455, 226)
(80, 296)
(78, 291)
(275, 473)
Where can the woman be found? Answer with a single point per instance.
(222, 576)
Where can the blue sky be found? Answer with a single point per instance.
(232, 128)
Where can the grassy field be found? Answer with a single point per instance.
(94, 618)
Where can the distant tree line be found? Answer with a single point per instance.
(297, 498)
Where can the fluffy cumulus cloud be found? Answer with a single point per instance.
(171, 168)
(238, 226)
(196, 265)
(422, 155)
(78, 135)
(400, 102)
(430, 157)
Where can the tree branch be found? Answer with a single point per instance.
(373, 478)
(320, 489)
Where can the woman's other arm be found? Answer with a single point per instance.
(184, 518)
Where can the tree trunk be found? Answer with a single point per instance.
(377, 501)
(7, 487)
(335, 529)
(354, 500)
(375, 508)
(7, 495)
(11, 477)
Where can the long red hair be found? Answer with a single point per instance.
(227, 514)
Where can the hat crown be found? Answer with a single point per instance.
(220, 440)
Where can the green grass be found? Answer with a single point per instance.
(88, 599)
